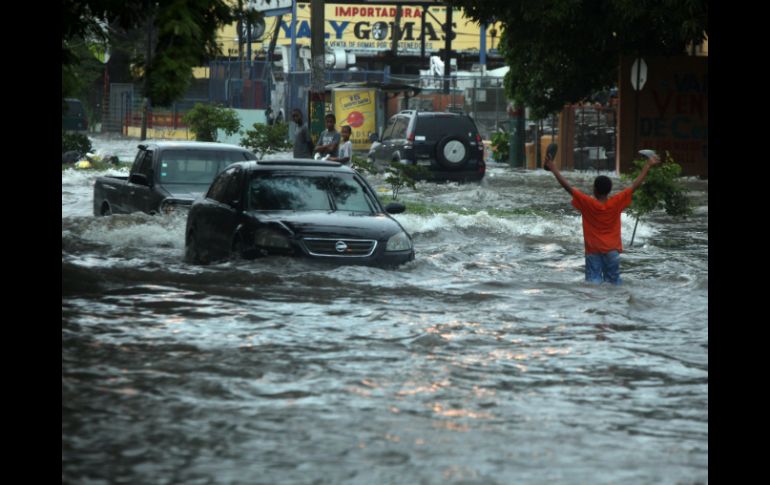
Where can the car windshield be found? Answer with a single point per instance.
(196, 166)
(307, 192)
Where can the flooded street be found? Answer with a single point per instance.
(486, 360)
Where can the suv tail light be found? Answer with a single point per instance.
(410, 137)
(478, 138)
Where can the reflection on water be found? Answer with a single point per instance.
(485, 360)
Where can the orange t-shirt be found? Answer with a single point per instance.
(601, 220)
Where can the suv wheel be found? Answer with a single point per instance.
(452, 152)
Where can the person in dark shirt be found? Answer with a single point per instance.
(303, 144)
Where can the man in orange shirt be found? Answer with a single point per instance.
(601, 221)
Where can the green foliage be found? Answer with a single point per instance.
(75, 142)
(561, 51)
(501, 146)
(204, 120)
(660, 189)
(184, 35)
(264, 139)
(363, 165)
(400, 175)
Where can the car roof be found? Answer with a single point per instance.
(190, 145)
(430, 113)
(299, 165)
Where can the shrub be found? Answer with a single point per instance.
(400, 174)
(501, 146)
(77, 142)
(660, 189)
(204, 120)
(264, 139)
(363, 165)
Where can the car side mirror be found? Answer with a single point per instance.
(395, 208)
(373, 137)
(139, 179)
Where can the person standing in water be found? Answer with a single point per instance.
(601, 221)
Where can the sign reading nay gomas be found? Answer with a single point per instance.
(367, 28)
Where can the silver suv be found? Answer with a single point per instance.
(447, 144)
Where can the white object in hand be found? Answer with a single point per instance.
(647, 153)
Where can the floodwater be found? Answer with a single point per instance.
(486, 360)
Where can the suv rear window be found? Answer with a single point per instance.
(434, 128)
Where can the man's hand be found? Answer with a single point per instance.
(652, 160)
(548, 163)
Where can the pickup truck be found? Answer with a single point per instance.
(165, 175)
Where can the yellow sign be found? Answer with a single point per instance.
(370, 28)
(356, 108)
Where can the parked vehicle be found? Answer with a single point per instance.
(447, 144)
(73, 116)
(314, 209)
(165, 175)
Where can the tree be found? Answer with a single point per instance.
(265, 139)
(204, 120)
(400, 175)
(562, 51)
(661, 189)
(183, 35)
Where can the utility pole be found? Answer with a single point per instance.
(396, 31)
(448, 49)
(146, 103)
(317, 82)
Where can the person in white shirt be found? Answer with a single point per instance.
(346, 148)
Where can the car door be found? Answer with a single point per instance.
(380, 152)
(217, 221)
(395, 144)
(139, 194)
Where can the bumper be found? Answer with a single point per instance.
(437, 173)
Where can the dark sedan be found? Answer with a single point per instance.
(314, 209)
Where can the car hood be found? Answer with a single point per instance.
(185, 191)
(330, 224)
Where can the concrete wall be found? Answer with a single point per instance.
(672, 112)
(247, 116)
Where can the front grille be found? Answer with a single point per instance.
(342, 248)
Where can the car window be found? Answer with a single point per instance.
(387, 134)
(399, 129)
(224, 188)
(138, 161)
(144, 164)
(434, 128)
(197, 166)
(324, 192)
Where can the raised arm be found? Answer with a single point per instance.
(651, 161)
(548, 165)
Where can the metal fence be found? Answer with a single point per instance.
(591, 128)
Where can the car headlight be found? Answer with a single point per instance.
(270, 239)
(399, 242)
